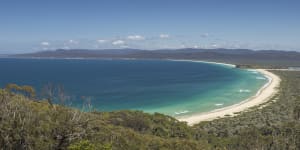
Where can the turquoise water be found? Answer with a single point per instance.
(171, 87)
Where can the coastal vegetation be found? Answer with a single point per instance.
(27, 123)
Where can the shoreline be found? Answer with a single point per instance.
(201, 61)
(263, 95)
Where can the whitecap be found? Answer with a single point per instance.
(219, 104)
(253, 71)
(244, 90)
(181, 112)
(260, 78)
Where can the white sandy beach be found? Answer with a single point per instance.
(200, 61)
(263, 95)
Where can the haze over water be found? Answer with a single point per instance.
(171, 87)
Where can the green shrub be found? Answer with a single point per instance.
(82, 145)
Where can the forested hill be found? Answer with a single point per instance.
(268, 58)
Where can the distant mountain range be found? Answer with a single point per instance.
(236, 56)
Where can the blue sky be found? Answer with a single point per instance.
(34, 25)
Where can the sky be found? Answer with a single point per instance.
(35, 25)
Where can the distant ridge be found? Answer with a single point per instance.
(236, 56)
(3, 55)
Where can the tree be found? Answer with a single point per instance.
(54, 93)
(48, 92)
(29, 91)
(26, 90)
(11, 87)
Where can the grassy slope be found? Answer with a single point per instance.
(28, 124)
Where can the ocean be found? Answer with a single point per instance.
(173, 88)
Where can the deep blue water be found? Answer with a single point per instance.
(168, 87)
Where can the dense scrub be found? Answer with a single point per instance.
(29, 124)
(26, 123)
